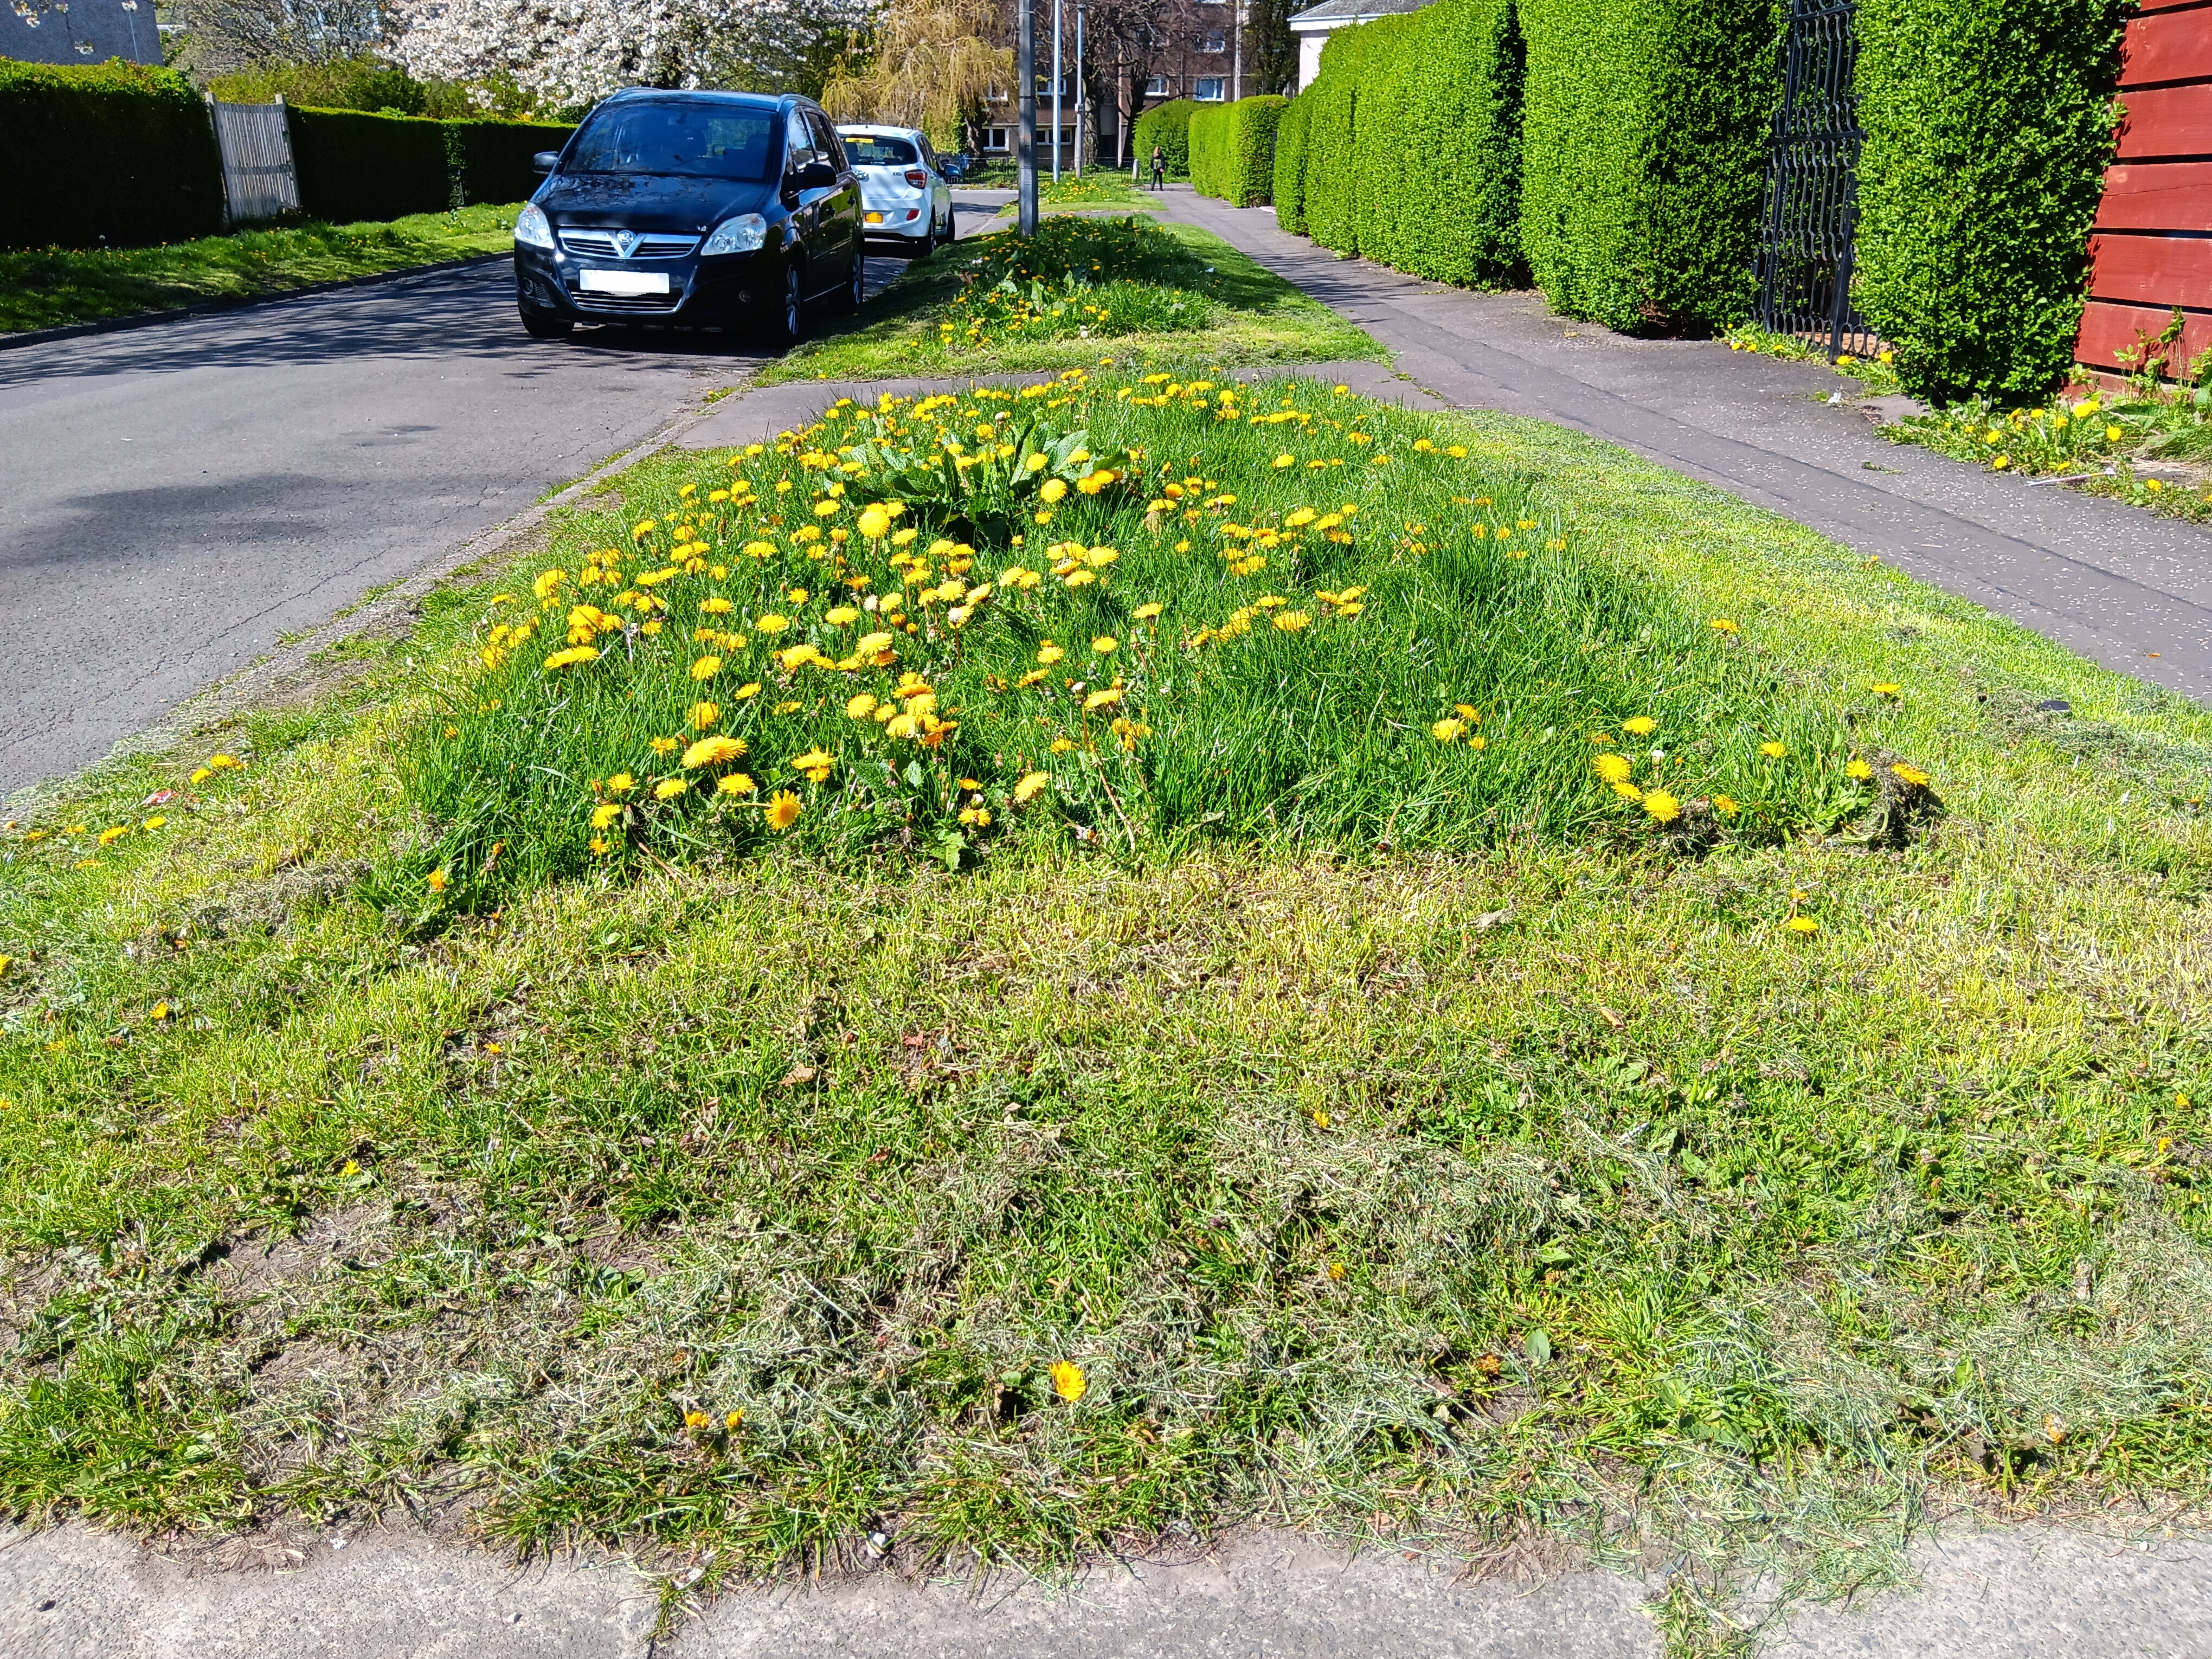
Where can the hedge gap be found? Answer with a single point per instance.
(1167, 126)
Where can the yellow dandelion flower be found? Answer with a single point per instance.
(1104, 699)
(663, 745)
(1448, 731)
(669, 788)
(1662, 806)
(435, 881)
(862, 706)
(1884, 688)
(1291, 621)
(1054, 490)
(620, 784)
(704, 715)
(1803, 924)
(1068, 1381)
(1627, 791)
(571, 657)
(1911, 774)
(605, 814)
(875, 523)
(1031, 785)
(1286, 460)
(705, 668)
(1105, 645)
(1722, 625)
(734, 783)
(1147, 612)
(1859, 770)
(201, 774)
(1614, 768)
(771, 623)
(713, 752)
(1642, 725)
(1048, 654)
(1724, 804)
(976, 818)
(783, 810)
(1773, 750)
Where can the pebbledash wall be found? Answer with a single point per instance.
(2151, 249)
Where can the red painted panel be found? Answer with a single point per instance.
(2157, 196)
(2167, 46)
(2167, 121)
(2106, 327)
(2164, 5)
(2156, 270)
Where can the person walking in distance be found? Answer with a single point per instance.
(1159, 169)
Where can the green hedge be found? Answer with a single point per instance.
(113, 153)
(490, 160)
(1989, 125)
(1233, 149)
(1167, 126)
(355, 166)
(1291, 165)
(1331, 213)
(1646, 136)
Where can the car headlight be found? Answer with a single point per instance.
(532, 228)
(742, 235)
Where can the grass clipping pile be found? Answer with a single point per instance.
(1136, 615)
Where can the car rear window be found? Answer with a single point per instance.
(869, 149)
(701, 139)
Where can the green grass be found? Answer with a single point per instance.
(1420, 1195)
(1252, 315)
(47, 287)
(1093, 191)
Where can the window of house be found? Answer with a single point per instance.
(1157, 87)
(998, 138)
(1212, 88)
(1215, 42)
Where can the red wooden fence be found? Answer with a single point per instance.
(2152, 246)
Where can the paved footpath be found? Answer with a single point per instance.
(2123, 587)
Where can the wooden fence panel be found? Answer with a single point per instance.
(2167, 121)
(2166, 47)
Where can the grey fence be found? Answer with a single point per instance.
(258, 178)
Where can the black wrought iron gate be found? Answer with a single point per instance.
(1812, 182)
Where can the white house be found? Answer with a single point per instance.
(1314, 25)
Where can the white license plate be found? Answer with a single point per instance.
(622, 282)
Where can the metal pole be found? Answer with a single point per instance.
(1056, 128)
(1080, 103)
(1237, 52)
(1026, 219)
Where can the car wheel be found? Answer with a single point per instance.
(788, 320)
(856, 286)
(927, 245)
(547, 325)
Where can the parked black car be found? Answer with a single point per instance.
(701, 208)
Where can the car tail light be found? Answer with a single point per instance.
(917, 178)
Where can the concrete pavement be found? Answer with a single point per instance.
(2114, 582)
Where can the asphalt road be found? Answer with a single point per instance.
(175, 497)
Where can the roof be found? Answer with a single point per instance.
(1340, 14)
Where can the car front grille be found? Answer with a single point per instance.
(651, 244)
(584, 300)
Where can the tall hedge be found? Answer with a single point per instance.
(490, 160)
(1233, 149)
(353, 166)
(1645, 135)
(1291, 165)
(113, 153)
(1167, 126)
(1989, 124)
(1331, 211)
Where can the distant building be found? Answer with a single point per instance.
(79, 32)
(1315, 24)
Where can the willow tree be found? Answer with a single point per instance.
(934, 66)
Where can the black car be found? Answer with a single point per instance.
(701, 208)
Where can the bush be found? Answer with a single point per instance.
(1167, 126)
(490, 160)
(1645, 140)
(360, 83)
(1233, 149)
(113, 153)
(1989, 124)
(1291, 166)
(355, 166)
(1331, 216)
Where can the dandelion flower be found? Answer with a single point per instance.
(1724, 804)
(771, 623)
(1105, 699)
(1147, 612)
(1105, 645)
(669, 788)
(1286, 460)
(713, 752)
(1448, 731)
(1642, 725)
(1291, 621)
(605, 814)
(1614, 768)
(862, 706)
(704, 715)
(1662, 806)
(620, 784)
(1803, 924)
(734, 783)
(1773, 750)
(201, 774)
(1054, 490)
(1068, 1381)
(1031, 785)
(705, 668)
(1858, 770)
(875, 523)
(783, 810)
(663, 745)
(750, 689)
(1884, 688)
(1627, 791)
(435, 881)
(1911, 774)
(1048, 654)
(568, 658)
(1722, 625)
(976, 818)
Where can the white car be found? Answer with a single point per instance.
(904, 198)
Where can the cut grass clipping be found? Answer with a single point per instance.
(741, 1209)
(1082, 292)
(1146, 613)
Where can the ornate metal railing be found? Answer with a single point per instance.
(1811, 183)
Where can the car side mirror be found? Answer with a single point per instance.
(545, 160)
(817, 175)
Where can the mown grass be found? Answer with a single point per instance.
(1254, 316)
(1092, 193)
(47, 287)
(1420, 1196)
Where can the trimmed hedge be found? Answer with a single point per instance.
(1291, 166)
(1989, 125)
(355, 166)
(1233, 149)
(1331, 212)
(111, 152)
(1645, 137)
(1167, 126)
(489, 161)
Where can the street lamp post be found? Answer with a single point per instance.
(1025, 116)
(1080, 126)
(1056, 128)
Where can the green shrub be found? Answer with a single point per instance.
(113, 153)
(1167, 126)
(1209, 149)
(355, 166)
(1291, 166)
(492, 159)
(1645, 137)
(361, 84)
(1249, 167)
(1989, 124)
(1331, 216)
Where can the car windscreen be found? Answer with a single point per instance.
(700, 140)
(869, 149)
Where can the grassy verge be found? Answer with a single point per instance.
(938, 317)
(1095, 191)
(47, 287)
(753, 1203)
